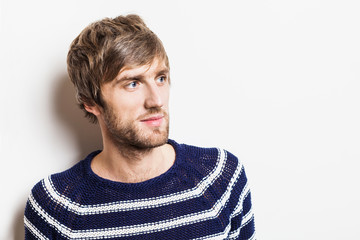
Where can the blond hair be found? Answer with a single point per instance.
(103, 48)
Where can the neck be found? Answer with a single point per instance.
(129, 164)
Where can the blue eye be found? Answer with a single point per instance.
(161, 79)
(132, 84)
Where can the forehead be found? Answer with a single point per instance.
(156, 65)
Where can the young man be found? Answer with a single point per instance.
(141, 185)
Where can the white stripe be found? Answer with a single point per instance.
(238, 210)
(253, 237)
(245, 220)
(147, 227)
(239, 207)
(34, 230)
(234, 234)
(49, 219)
(138, 203)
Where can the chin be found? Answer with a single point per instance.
(138, 136)
(156, 139)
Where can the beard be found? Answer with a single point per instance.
(129, 134)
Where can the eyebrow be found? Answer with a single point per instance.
(139, 77)
(164, 71)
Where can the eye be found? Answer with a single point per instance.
(161, 79)
(132, 85)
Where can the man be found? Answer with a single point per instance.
(141, 185)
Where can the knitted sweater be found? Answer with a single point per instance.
(204, 195)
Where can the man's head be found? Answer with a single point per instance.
(106, 47)
(121, 75)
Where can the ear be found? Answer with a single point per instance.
(94, 109)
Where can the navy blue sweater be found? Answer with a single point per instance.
(204, 195)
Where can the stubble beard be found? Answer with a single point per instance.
(130, 138)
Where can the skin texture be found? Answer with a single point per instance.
(135, 124)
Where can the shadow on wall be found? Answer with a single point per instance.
(18, 224)
(87, 136)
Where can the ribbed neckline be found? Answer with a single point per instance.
(94, 178)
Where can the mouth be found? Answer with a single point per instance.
(153, 121)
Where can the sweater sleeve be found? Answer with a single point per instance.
(242, 217)
(242, 225)
(35, 222)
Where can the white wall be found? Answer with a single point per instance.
(275, 82)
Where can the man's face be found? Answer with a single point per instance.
(135, 112)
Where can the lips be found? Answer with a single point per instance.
(154, 121)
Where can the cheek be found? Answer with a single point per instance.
(130, 107)
(165, 96)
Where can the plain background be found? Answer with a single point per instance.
(275, 82)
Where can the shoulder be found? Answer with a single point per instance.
(49, 199)
(202, 153)
(208, 159)
(220, 169)
(63, 182)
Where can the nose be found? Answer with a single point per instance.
(153, 98)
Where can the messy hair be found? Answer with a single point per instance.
(105, 47)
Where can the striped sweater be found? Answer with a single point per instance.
(204, 195)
